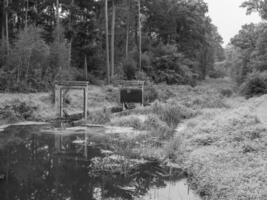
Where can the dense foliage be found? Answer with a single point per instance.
(48, 40)
(247, 53)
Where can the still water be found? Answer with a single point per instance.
(38, 164)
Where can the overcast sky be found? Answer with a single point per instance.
(229, 17)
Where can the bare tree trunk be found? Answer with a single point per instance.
(107, 42)
(27, 70)
(3, 27)
(127, 30)
(113, 37)
(7, 33)
(70, 28)
(57, 20)
(70, 53)
(18, 70)
(140, 35)
(85, 68)
(26, 14)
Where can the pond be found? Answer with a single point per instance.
(39, 163)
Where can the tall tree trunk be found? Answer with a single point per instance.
(127, 30)
(107, 42)
(26, 14)
(70, 28)
(113, 37)
(85, 68)
(7, 32)
(140, 35)
(3, 27)
(57, 20)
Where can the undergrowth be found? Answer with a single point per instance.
(225, 155)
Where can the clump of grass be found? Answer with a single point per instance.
(172, 113)
(17, 111)
(204, 139)
(207, 101)
(153, 121)
(99, 117)
(173, 149)
(128, 121)
(150, 93)
(162, 133)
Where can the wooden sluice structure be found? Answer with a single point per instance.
(131, 92)
(60, 87)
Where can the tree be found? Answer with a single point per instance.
(259, 6)
(113, 37)
(107, 42)
(140, 36)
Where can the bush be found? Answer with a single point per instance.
(226, 92)
(216, 74)
(129, 68)
(99, 117)
(170, 66)
(150, 93)
(256, 84)
(171, 113)
(17, 111)
(128, 121)
(27, 62)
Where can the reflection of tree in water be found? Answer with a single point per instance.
(43, 166)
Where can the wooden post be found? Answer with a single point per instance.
(61, 103)
(85, 102)
(142, 94)
(75, 85)
(107, 42)
(85, 146)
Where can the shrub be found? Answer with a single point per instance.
(99, 117)
(216, 74)
(141, 75)
(128, 121)
(129, 68)
(173, 148)
(150, 93)
(162, 132)
(153, 121)
(226, 92)
(170, 66)
(17, 110)
(171, 113)
(27, 61)
(256, 84)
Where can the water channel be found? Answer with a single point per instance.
(39, 163)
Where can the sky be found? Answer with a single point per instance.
(229, 17)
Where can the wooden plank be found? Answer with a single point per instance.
(72, 83)
(72, 87)
(85, 103)
(61, 103)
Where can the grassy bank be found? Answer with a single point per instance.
(219, 140)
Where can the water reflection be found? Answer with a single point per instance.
(69, 167)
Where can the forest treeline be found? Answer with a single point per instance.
(246, 55)
(172, 41)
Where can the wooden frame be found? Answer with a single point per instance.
(70, 85)
(132, 85)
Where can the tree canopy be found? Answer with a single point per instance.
(72, 35)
